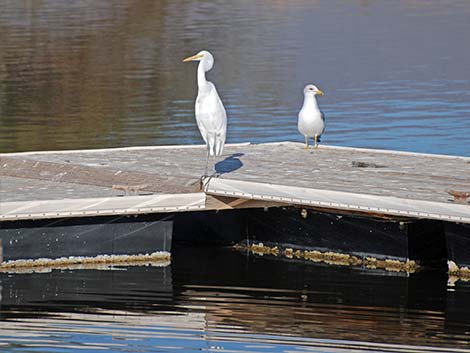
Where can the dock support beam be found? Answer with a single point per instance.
(458, 243)
(29, 243)
(351, 239)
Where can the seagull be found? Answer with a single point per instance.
(311, 119)
(210, 112)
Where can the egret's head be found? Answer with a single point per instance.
(206, 59)
(312, 90)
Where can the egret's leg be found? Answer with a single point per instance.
(207, 163)
(306, 142)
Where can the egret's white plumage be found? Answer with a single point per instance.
(311, 120)
(210, 112)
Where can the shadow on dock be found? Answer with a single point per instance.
(229, 164)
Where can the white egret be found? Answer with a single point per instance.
(311, 120)
(210, 112)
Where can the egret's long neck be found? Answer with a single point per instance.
(201, 77)
(310, 102)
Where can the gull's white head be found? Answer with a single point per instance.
(312, 90)
(206, 59)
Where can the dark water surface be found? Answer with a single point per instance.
(219, 300)
(83, 74)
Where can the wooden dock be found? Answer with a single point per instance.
(386, 185)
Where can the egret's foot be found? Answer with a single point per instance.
(201, 181)
(306, 147)
(205, 179)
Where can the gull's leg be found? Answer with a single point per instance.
(315, 139)
(306, 143)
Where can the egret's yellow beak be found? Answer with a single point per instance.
(194, 57)
(320, 92)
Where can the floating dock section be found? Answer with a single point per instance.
(344, 205)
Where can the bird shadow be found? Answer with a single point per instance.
(229, 164)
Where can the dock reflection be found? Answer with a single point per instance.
(226, 295)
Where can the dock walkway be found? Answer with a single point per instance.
(361, 207)
(166, 179)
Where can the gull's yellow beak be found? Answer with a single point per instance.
(194, 57)
(320, 92)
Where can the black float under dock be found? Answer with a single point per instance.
(379, 209)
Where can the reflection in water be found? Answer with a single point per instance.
(219, 299)
(108, 73)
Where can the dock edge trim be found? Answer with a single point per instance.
(339, 200)
(102, 206)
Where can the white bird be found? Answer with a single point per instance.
(210, 112)
(311, 120)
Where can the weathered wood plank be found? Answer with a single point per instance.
(407, 178)
(95, 175)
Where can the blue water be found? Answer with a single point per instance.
(91, 74)
(104, 74)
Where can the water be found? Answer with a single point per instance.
(219, 300)
(107, 73)
(91, 74)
